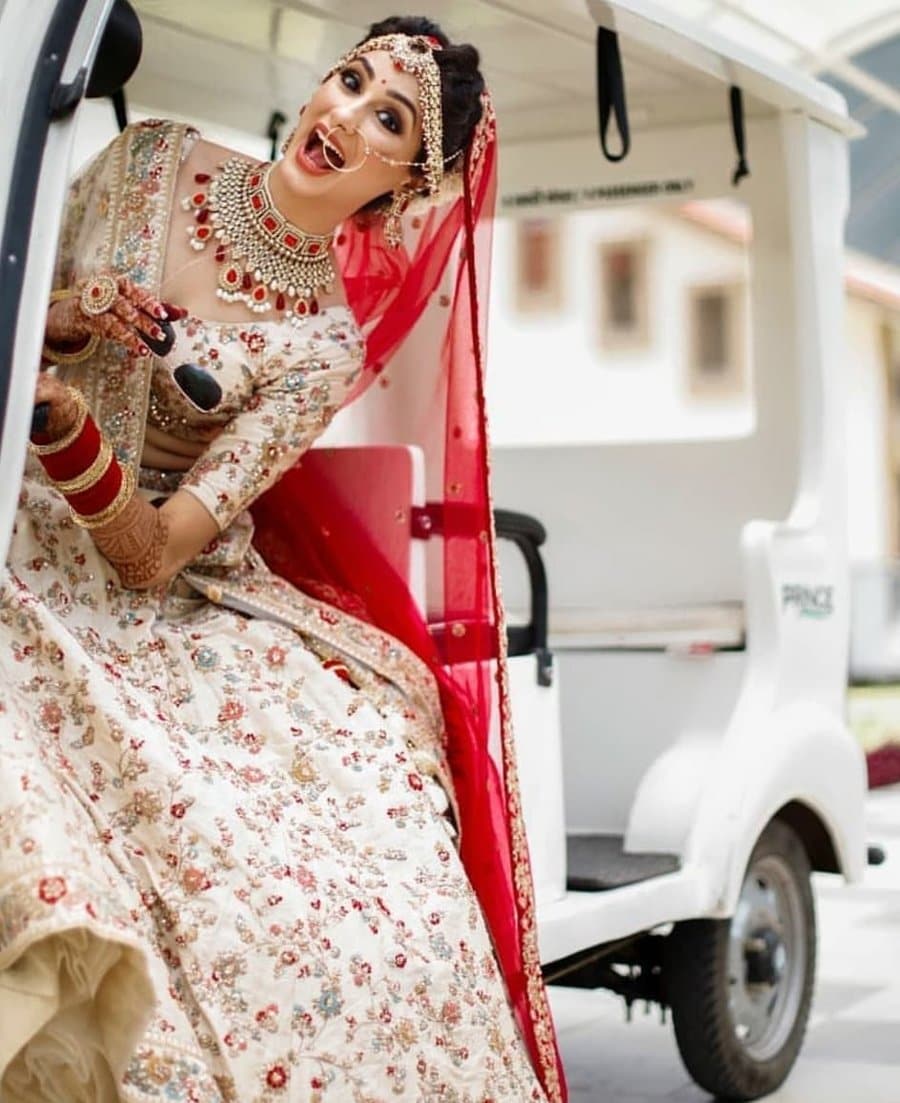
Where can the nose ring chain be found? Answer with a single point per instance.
(367, 152)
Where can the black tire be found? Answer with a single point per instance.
(702, 961)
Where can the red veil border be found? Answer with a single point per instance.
(464, 639)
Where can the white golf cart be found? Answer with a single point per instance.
(698, 590)
(685, 760)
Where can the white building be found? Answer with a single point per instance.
(629, 325)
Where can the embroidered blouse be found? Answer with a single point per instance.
(281, 385)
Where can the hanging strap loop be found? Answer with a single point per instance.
(611, 93)
(742, 169)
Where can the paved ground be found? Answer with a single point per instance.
(852, 1049)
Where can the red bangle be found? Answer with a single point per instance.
(82, 466)
(97, 497)
(113, 508)
(75, 457)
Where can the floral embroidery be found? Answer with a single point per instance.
(51, 889)
(277, 1077)
(239, 789)
(294, 393)
(288, 873)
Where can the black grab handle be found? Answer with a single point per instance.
(611, 94)
(528, 534)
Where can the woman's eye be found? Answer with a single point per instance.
(390, 121)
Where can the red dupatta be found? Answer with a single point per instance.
(421, 304)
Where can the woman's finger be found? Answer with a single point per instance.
(127, 312)
(142, 299)
(55, 410)
(152, 333)
(159, 346)
(110, 327)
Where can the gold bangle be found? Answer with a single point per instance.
(72, 435)
(90, 476)
(56, 356)
(115, 507)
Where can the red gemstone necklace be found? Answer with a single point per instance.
(263, 259)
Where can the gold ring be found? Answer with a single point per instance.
(98, 295)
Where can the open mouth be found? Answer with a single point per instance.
(323, 153)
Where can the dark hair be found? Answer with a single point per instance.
(461, 85)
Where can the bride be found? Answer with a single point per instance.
(252, 846)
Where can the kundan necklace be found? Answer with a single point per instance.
(263, 259)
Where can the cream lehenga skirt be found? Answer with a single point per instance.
(224, 873)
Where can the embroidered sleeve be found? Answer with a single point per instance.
(291, 406)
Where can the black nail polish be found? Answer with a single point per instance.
(160, 346)
(198, 386)
(40, 418)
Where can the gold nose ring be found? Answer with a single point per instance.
(344, 168)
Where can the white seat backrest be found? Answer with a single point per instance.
(644, 526)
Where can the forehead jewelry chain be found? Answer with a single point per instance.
(263, 260)
(414, 54)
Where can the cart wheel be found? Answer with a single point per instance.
(741, 989)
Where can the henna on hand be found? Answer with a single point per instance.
(59, 409)
(66, 324)
(133, 317)
(134, 542)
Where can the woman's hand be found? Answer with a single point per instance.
(56, 410)
(149, 546)
(146, 545)
(114, 308)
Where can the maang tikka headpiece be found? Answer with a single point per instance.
(414, 54)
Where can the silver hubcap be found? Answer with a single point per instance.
(766, 958)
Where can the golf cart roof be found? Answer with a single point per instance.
(235, 63)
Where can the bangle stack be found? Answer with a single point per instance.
(112, 510)
(82, 467)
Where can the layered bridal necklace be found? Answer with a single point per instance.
(263, 260)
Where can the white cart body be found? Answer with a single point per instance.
(734, 548)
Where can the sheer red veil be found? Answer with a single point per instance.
(420, 307)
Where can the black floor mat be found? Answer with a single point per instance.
(599, 862)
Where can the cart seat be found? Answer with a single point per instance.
(695, 628)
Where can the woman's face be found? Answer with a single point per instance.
(369, 110)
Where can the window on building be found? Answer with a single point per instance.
(623, 316)
(716, 341)
(538, 265)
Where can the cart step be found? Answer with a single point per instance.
(596, 863)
